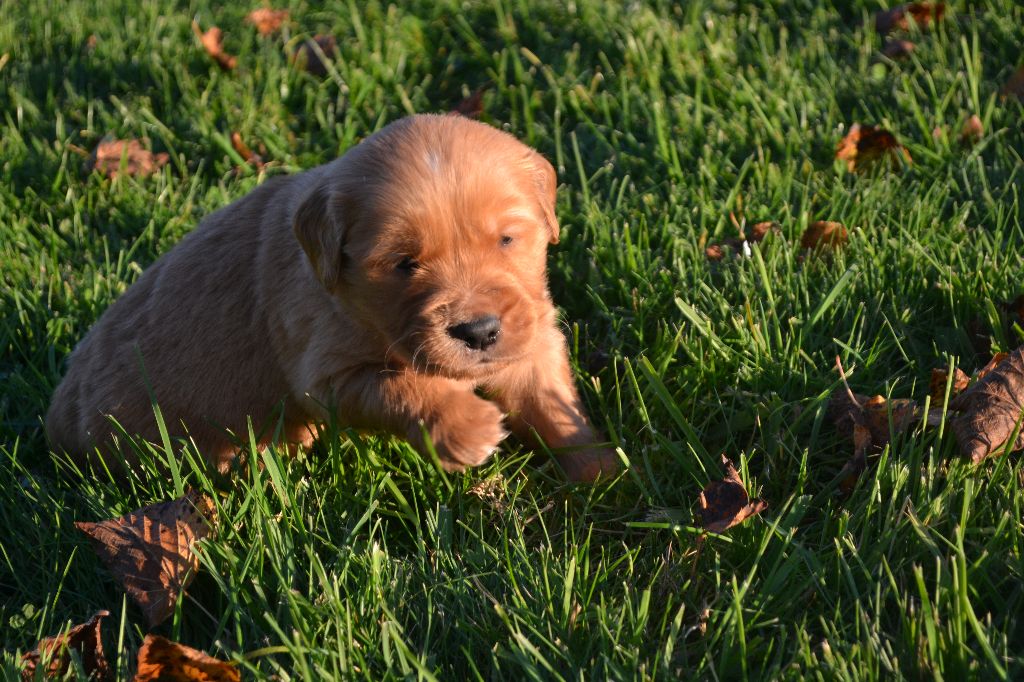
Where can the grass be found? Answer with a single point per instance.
(359, 559)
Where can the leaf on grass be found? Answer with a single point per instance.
(866, 421)
(248, 155)
(823, 234)
(267, 20)
(996, 360)
(971, 131)
(472, 106)
(138, 160)
(725, 503)
(850, 409)
(897, 49)
(150, 550)
(865, 145)
(940, 377)
(761, 230)
(54, 652)
(991, 409)
(162, 660)
(741, 244)
(1014, 87)
(922, 13)
(308, 55)
(211, 42)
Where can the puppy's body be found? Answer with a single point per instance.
(385, 287)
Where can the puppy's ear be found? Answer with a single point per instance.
(322, 235)
(547, 190)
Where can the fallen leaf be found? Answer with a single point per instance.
(923, 13)
(723, 504)
(150, 550)
(940, 377)
(243, 150)
(161, 660)
(307, 55)
(991, 409)
(267, 20)
(1015, 86)
(864, 145)
(138, 160)
(849, 409)
(897, 49)
(472, 106)
(858, 462)
(742, 243)
(996, 360)
(54, 652)
(211, 42)
(866, 421)
(761, 230)
(824, 234)
(971, 131)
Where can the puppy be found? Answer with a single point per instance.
(388, 290)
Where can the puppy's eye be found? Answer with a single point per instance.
(408, 264)
(506, 240)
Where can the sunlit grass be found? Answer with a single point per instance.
(361, 560)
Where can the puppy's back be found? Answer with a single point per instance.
(180, 334)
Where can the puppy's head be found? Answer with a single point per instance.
(433, 233)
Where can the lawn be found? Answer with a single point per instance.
(670, 126)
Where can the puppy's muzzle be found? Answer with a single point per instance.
(478, 334)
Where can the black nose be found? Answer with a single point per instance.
(479, 334)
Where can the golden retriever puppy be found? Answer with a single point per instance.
(389, 289)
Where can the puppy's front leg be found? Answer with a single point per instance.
(464, 429)
(540, 396)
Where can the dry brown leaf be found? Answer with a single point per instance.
(991, 409)
(824, 234)
(161, 660)
(937, 384)
(923, 13)
(714, 252)
(761, 230)
(725, 503)
(211, 42)
(308, 58)
(150, 550)
(866, 420)
(1014, 87)
(865, 145)
(897, 49)
(267, 20)
(54, 652)
(858, 462)
(472, 106)
(757, 234)
(248, 155)
(138, 160)
(990, 365)
(849, 409)
(971, 131)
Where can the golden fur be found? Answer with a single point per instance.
(335, 292)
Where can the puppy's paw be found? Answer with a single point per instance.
(466, 432)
